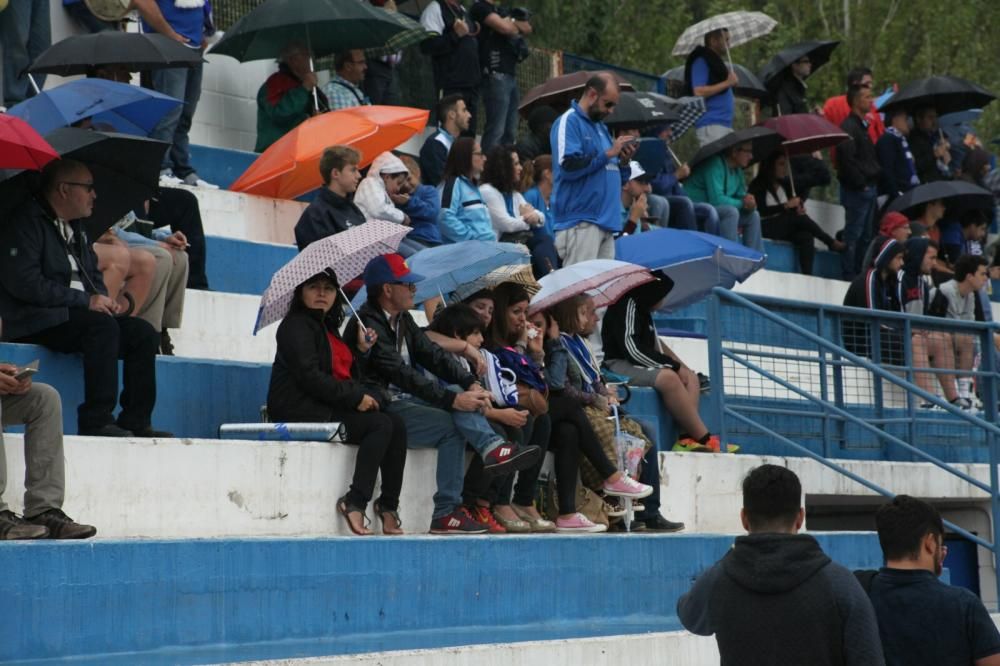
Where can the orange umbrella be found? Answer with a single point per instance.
(290, 166)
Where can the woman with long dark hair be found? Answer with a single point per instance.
(315, 378)
(463, 215)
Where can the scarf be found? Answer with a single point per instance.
(717, 69)
(580, 352)
(910, 163)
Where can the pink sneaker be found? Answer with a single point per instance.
(579, 523)
(627, 487)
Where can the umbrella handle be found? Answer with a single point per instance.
(728, 56)
(672, 154)
(791, 176)
(34, 85)
(315, 92)
(351, 305)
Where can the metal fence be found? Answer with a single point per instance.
(824, 379)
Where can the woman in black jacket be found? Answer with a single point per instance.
(315, 378)
(783, 217)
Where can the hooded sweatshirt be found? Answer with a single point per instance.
(372, 197)
(636, 341)
(914, 291)
(779, 599)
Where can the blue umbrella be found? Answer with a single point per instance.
(447, 267)
(129, 109)
(695, 261)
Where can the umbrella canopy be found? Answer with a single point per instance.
(21, 147)
(517, 273)
(818, 53)
(558, 92)
(764, 141)
(695, 261)
(749, 86)
(947, 94)
(129, 109)
(690, 109)
(290, 166)
(346, 254)
(133, 51)
(448, 268)
(954, 192)
(606, 280)
(324, 26)
(642, 109)
(806, 133)
(742, 26)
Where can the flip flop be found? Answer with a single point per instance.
(345, 509)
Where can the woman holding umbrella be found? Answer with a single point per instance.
(315, 378)
(783, 217)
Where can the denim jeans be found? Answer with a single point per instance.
(659, 207)
(500, 100)
(431, 427)
(25, 31)
(184, 84)
(733, 221)
(859, 214)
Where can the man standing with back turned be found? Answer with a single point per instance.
(776, 597)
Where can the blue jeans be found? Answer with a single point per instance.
(183, 84)
(733, 221)
(659, 207)
(859, 214)
(500, 100)
(25, 31)
(430, 427)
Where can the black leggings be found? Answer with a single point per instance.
(800, 230)
(381, 441)
(571, 436)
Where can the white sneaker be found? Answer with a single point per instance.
(168, 179)
(193, 180)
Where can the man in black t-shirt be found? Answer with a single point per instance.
(920, 619)
(500, 45)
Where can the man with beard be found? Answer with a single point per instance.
(587, 187)
(922, 620)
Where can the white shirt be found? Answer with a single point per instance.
(373, 200)
(504, 222)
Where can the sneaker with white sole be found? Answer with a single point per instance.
(626, 486)
(580, 524)
(193, 180)
(168, 179)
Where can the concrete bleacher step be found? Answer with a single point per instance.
(219, 326)
(217, 600)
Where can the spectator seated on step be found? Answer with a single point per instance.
(719, 181)
(333, 210)
(52, 294)
(344, 89)
(422, 207)
(289, 97)
(464, 215)
(380, 196)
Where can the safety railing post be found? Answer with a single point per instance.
(717, 396)
(988, 391)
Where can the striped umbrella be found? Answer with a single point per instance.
(606, 280)
(742, 26)
(517, 273)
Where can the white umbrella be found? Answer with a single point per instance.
(606, 280)
(742, 26)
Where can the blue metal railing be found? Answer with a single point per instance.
(849, 359)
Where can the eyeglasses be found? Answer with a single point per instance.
(359, 62)
(745, 150)
(88, 186)
(477, 153)
(409, 285)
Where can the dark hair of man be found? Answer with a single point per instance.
(853, 93)
(459, 162)
(499, 171)
(967, 265)
(57, 170)
(856, 75)
(505, 295)
(711, 35)
(336, 157)
(566, 314)
(456, 321)
(903, 523)
(373, 295)
(772, 497)
(974, 218)
(341, 59)
(598, 83)
(446, 105)
(482, 293)
(335, 316)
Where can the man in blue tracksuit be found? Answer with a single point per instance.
(586, 203)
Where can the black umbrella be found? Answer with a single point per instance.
(641, 110)
(764, 141)
(133, 51)
(126, 170)
(947, 94)
(817, 52)
(955, 193)
(748, 84)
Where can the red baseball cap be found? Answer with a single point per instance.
(892, 221)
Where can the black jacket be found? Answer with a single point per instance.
(895, 167)
(35, 272)
(386, 365)
(433, 156)
(857, 163)
(790, 95)
(633, 337)
(302, 387)
(328, 214)
(922, 147)
(778, 599)
(455, 59)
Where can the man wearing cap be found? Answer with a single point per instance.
(635, 199)
(443, 413)
(894, 225)
(380, 196)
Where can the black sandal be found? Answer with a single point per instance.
(381, 512)
(345, 509)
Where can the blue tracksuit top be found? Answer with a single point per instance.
(463, 215)
(587, 184)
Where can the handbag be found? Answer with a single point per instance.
(589, 503)
(604, 429)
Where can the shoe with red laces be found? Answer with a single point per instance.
(715, 445)
(482, 514)
(508, 458)
(457, 522)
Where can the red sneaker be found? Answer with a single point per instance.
(482, 514)
(509, 458)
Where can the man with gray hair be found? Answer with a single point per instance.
(288, 97)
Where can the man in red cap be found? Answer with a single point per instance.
(443, 414)
(895, 226)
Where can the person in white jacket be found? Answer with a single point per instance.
(379, 196)
(513, 218)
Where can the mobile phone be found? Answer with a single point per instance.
(24, 373)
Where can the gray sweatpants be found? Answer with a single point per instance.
(165, 305)
(40, 411)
